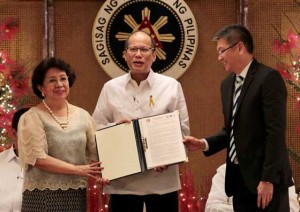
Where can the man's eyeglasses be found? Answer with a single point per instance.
(55, 81)
(220, 52)
(143, 50)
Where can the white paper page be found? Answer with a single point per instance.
(117, 151)
(164, 139)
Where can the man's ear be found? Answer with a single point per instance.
(242, 47)
(154, 57)
(124, 56)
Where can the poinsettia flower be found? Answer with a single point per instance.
(9, 28)
(277, 45)
(292, 39)
(3, 56)
(285, 46)
(19, 87)
(3, 59)
(13, 76)
(5, 62)
(5, 117)
(283, 69)
(284, 73)
(293, 78)
(16, 71)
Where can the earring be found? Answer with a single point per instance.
(43, 94)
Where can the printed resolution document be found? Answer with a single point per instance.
(140, 145)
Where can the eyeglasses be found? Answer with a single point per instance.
(55, 81)
(143, 50)
(220, 52)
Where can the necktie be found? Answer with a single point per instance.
(237, 92)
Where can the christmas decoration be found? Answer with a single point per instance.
(97, 201)
(191, 199)
(8, 28)
(287, 50)
(13, 84)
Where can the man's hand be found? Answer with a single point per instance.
(102, 181)
(124, 121)
(265, 194)
(193, 143)
(160, 168)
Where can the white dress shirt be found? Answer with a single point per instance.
(11, 182)
(122, 98)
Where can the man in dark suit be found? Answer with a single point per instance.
(258, 172)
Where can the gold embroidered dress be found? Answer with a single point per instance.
(40, 135)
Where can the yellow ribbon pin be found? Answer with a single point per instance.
(151, 102)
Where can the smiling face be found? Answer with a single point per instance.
(55, 85)
(228, 54)
(139, 62)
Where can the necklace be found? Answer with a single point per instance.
(62, 124)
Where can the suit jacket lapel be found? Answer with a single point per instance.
(229, 97)
(250, 75)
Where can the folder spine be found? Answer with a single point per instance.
(140, 146)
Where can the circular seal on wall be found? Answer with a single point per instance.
(170, 23)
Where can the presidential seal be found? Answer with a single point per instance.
(170, 23)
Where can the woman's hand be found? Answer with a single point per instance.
(55, 165)
(91, 170)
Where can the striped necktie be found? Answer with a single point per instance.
(237, 92)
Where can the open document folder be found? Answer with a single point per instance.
(140, 145)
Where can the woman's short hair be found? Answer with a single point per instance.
(42, 68)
